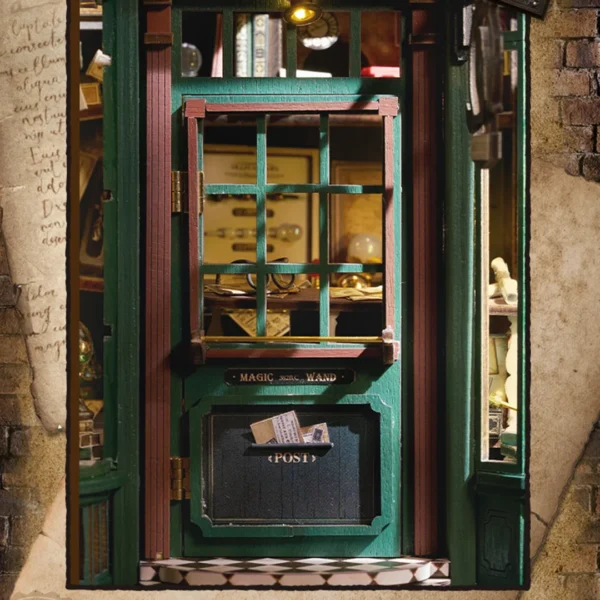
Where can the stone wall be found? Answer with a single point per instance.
(25, 490)
(568, 565)
(572, 110)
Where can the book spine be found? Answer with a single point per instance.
(275, 47)
(243, 46)
(261, 44)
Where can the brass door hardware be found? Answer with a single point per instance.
(180, 478)
(179, 192)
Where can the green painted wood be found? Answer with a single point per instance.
(323, 86)
(355, 43)
(261, 225)
(228, 48)
(381, 538)
(85, 525)
(501, 489)
(324, 175)
(304, 188)
(104, 578)
(522, 245)
(103, 483)
(122, 135)
(292, 268)
(291, 59)
(373, 379)
(460, 510)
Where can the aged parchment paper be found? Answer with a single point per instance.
(33, 186)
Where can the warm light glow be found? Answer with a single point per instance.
(303, 13)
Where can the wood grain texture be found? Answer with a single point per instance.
(158, 292)
(194, 105)
(193, 246)
(426, 141)
(121, 284)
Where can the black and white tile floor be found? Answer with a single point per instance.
(283, 572)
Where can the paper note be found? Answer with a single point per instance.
(281, 429)
(286, 428)
(33, 186)
(315, 434)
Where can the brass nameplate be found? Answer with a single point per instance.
(289, 376)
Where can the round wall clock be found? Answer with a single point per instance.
(321, 34)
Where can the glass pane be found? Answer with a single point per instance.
(292, 149)
(259, 45)
(380, 43)
(230, 305)
(324, 46)
(500, 284)
(293, 305)
(356, 229)
(202, 44)
(356, 301)
(229, 228)
(356, 150)
(230, 150)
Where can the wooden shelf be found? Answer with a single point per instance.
(498, 307)
(91, 113)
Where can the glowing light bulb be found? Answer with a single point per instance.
(300, 14)
(303, 13)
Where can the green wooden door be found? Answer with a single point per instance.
(259, 306)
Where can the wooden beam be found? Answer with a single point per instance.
(157, 373)
(426, 101)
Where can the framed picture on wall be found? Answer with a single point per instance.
(230, 220)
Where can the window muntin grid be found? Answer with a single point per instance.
(387, 108)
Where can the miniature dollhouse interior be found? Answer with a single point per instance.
(293, 238)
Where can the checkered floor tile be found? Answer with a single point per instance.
(283, 572)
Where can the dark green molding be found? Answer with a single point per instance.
(459, 272)
(121, 284)
(501, 489)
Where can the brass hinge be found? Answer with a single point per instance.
(180, 478)
(179, 192)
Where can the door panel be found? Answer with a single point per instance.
(265, 313)
(339, 501)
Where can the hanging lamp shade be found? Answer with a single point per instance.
(302, 13)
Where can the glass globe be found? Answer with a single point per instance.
(365, 248)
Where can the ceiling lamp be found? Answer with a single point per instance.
(302, 12)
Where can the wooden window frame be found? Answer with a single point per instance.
(385, 346)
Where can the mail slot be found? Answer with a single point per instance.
(301, 484)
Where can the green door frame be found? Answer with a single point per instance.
(123, 305)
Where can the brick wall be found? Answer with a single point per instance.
(568, 564)
(25, 493)
(576, 84)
